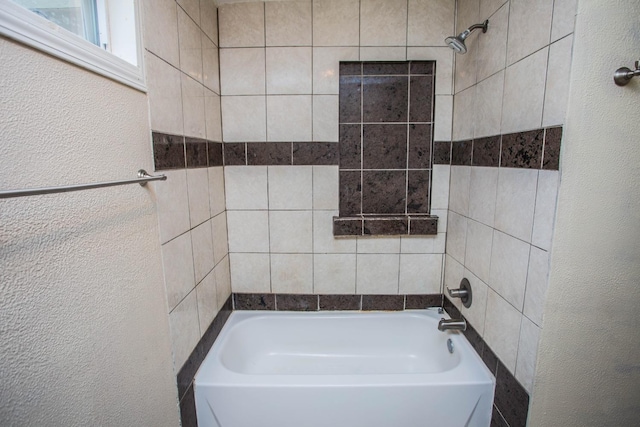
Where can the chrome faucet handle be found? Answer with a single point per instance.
(463, 292)
(457, 293)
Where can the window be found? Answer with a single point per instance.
(100, 35)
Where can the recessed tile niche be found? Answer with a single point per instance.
(386, 136)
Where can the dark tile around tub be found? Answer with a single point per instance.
(316, 153)
(422, 67)
(418, 191)
(254, 301)
(486, 151)
(350, 193)
(350, 68)
(214, 151)
(461, 153)
(380, 68)
(421, 226)
(168, 151)
(386, 226)
(421, 99)
(442, 153)
(551, 156)
(235, 153)
(496, 418)
(383, 302)
(511, 399)
(418, 302)
(474, 339)
(196, 150)
(384, 146)
(291, 302)
(268, 153)
(349, 99)
(384, 99)
(383, 192)
(419, 146)
(340, 302)
(347, 226)
(451, 309)
(350, 146)
(188, 409)
(522, 150)
(490, 359)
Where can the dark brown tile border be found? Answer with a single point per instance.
(385, 225)
(316, 153)
(196, 150)
(268, 153)
(340, 302)
(347, 226)
(179, 152)
(292, 302)
(461, 153)
(418, 302)
(188, 416)
(551, 155)
(442, 153)
(382, 302)
(214, 151)
(254, 301)
(522, 150)
(235, 153)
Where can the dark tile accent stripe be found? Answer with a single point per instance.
(235, 153)
(350, 68)
(535, 149)
(269, 153)
(254, 301)
(214, 151)
(168, 151)
(422, 67)
(315, 153)
(197, 156)
(340, 302)
(383, 302)
(347, 226)
(386, 226)
(511, 401)
(188, 409)
(389, 225)
(291, 302)
(282, 153)
(417, 302)
(381, 68)
(419, 226)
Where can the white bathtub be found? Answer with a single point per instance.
(341, 369)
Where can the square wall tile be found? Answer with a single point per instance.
(325, 118)
(248, 231)
(325, 187)
(420, 273)
(529, 27)
(217, 202)
(515, 203)
(483, 185)
(190, 46)
(537, 283)
(383, 53)
(223, 281)
(185, 329)
(290, 187)
(502, 329)
(430, 22)
(378, 245)
(246, 188)
(476, 313)
(443, 56)
(289, 118)
(377, 274)
(456, 236)
(509, 264)
(523, 100)
(492, 46)
(336, 23)
(193, 107)
(477, 257)
(527, 353)
(241, 25)
(289, 70)
(207, 295)
(334, 273)
(291, 231)
(220, 237)
(488, 107)
(417, 244)
(564, 18)
(172, 205)
(459, 192)
(165, 96)
(326, 67)
(244, 118)
(177, 263)
(250, 273)
(288, 23)
(545, 211)
(557, 89)
(384, 192)
(323, 239)
(198, 184)
(242, 71)
(162, 14)
(292, 273)
(384, 99)
(383, 23)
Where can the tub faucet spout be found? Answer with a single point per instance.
(452, 324)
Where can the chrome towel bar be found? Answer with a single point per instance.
(143, 178)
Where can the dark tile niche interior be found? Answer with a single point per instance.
(386, 135)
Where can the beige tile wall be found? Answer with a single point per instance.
(181, 59)
(279, 77)
(514, 78)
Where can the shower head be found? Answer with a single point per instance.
(457, 42)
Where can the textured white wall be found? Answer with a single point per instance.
(84, 335)
(588, 367)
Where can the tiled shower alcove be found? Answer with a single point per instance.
(386, 112)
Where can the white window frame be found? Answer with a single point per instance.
(20, 24)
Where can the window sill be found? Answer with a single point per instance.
(385, 225)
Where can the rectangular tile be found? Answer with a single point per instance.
(315, 153)
(347, 226)
(196, 152)
(486, 151)
(254, 301)
(417, 302)
(269, 153)
(423, 226)
(168, 151)
(384, 99)
(490, 359)
(235, 153)
(496, 418)
(421, 99)
(419, 146)
(188, 409)
(383, 192)
(382, 68)
(383, 302)
(340, 302)
(522, 150)
(442, 153)
(350, 99)
(384, 146)
(350, 193)
(461, 153)
(418, 191)
(386, 226)
(551, 157)
(214, 153)
(350, 146)
(511, 398)
(291, 302)
(350, 68)
(474, 339)
(422, 67)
